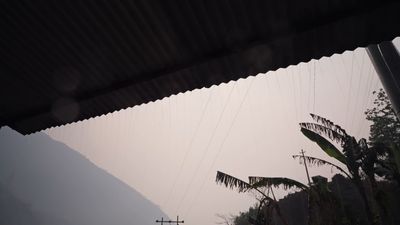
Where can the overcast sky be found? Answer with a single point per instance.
(170, 150)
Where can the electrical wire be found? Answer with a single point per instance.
(309, 86)
(336, 78)
(349, 92)
(300, 91)
(315, 71)
(367, 99)
(294, 94)
(207, 148)
(358, 92)
(189, 147)
(220, 147)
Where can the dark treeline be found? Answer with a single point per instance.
(349, 208)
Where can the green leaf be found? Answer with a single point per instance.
(320, 162)
(232, 182)
(325, 145)
(328, 124)
(287, 183)
(338, 137)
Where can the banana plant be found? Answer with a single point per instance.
(319, 197)
(315, 196)
(355, 155)
(243, 186)
(320, 162)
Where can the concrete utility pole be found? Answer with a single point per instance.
(305, 165)
(162, 221)
(386, 61)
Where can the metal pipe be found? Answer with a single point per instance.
(386, 61)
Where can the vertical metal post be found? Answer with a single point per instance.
(386, 61)
(160, 221)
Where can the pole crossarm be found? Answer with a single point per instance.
(177, 221)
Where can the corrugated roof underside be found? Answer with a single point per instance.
(65, 61)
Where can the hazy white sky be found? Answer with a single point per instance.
(170, 150)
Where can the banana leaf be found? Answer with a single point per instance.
(286, 183)
(325, 145)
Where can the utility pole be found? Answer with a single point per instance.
(305, 165)
(177, 221)
(272, 193)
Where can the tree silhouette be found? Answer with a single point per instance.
(357, 156)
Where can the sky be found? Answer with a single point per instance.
(170, 150)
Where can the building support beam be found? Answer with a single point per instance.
(386, 61)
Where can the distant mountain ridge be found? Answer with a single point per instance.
(61, 186)
(13, 211)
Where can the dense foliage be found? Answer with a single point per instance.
(385, 134)
(385, 128)
(358, 198)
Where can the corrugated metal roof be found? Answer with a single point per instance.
(64, 61)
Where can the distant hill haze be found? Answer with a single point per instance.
(56, 185)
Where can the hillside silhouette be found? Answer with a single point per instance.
(46, 182)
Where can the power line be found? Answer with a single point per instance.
(300, 92)
(336, 78)
(294, 93)
(349, 92)
(189, 147)
(267, 89)
(220, 147)
(207, 147)
(280, 94)
(358, 91)
(375, 86)
(315, 69)
(309, 85)
(367, 100)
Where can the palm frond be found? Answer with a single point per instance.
(286, 183)
(232, 182)
(242, 186)
(324, 144)
(320, 162)
(332, 134)
(328, 123)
